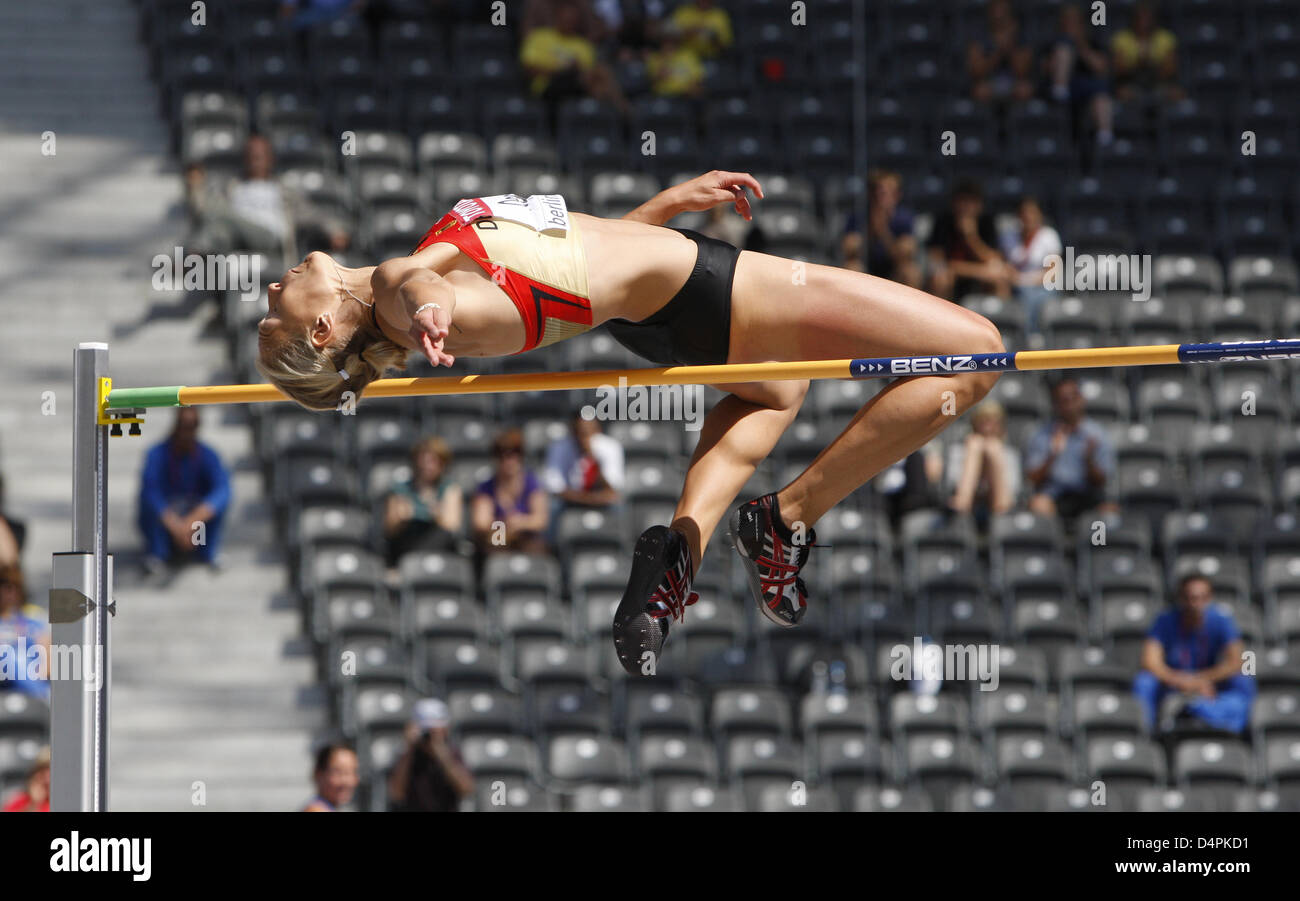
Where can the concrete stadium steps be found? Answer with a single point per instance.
(212, 679)
(75, 66)
(260, 769)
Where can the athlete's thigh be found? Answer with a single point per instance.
(785, 310)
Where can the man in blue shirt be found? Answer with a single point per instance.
(1069, 461)
(183, 485)
(1196, 649)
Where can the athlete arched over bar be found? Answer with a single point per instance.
(502, 275)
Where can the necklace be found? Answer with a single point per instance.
(345, 285)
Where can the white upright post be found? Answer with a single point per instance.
(80, 599)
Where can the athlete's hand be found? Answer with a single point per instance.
(717, 187)
(430, 328)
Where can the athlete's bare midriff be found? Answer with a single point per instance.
(633, 269)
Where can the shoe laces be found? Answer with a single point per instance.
(671, 598)
(780, 572)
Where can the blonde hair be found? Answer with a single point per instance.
(315, 378)
(988, 409)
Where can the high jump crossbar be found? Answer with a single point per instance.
(81, 583)
(876, 367)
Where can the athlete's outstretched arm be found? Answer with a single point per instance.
(400, 288)
(701, 193)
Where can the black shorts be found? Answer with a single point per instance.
(694, 328)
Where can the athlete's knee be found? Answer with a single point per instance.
(792, 394)
(788, 397)
(780, 396)
(985, 338)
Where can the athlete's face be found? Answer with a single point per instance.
(303, 294)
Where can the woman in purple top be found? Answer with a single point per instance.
(510, 509)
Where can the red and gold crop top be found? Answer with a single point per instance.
(531, 248)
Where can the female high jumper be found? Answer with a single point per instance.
(503, 275)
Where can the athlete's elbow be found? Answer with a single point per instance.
(389, 276)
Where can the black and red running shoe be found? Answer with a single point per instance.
(772, 559)
(658, 592)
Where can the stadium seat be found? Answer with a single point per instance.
(880, 800)
(1104, 712)
(1014, 711)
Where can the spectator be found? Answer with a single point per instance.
(255, 212)
(1078, 72)
(430, 776)
(705, 26)
(1070, 461)
(962, 248)
(890, 244)
(1145, 59)
(24, 639)
(998, 65)
(1028, 252)
(984, 468)
(424, 512)
(911, 484)
(1196, 649)
(675, 68)
(13, 532)
(510, 509)
(583, 469)
(561, 60)
(183, 484)
(34, 797)
(336, 775)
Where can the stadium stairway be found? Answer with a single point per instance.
(212, 683)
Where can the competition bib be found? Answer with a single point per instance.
(544, 213)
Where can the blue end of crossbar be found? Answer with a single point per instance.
(1228, 351)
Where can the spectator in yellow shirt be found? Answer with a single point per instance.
(1145, 58)
(675, 68)
(563, 63)
(705, 25)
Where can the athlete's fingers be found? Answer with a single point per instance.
(743, 178)
(742, 204)
(737, 196)
(444, 358)
(430, 351)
